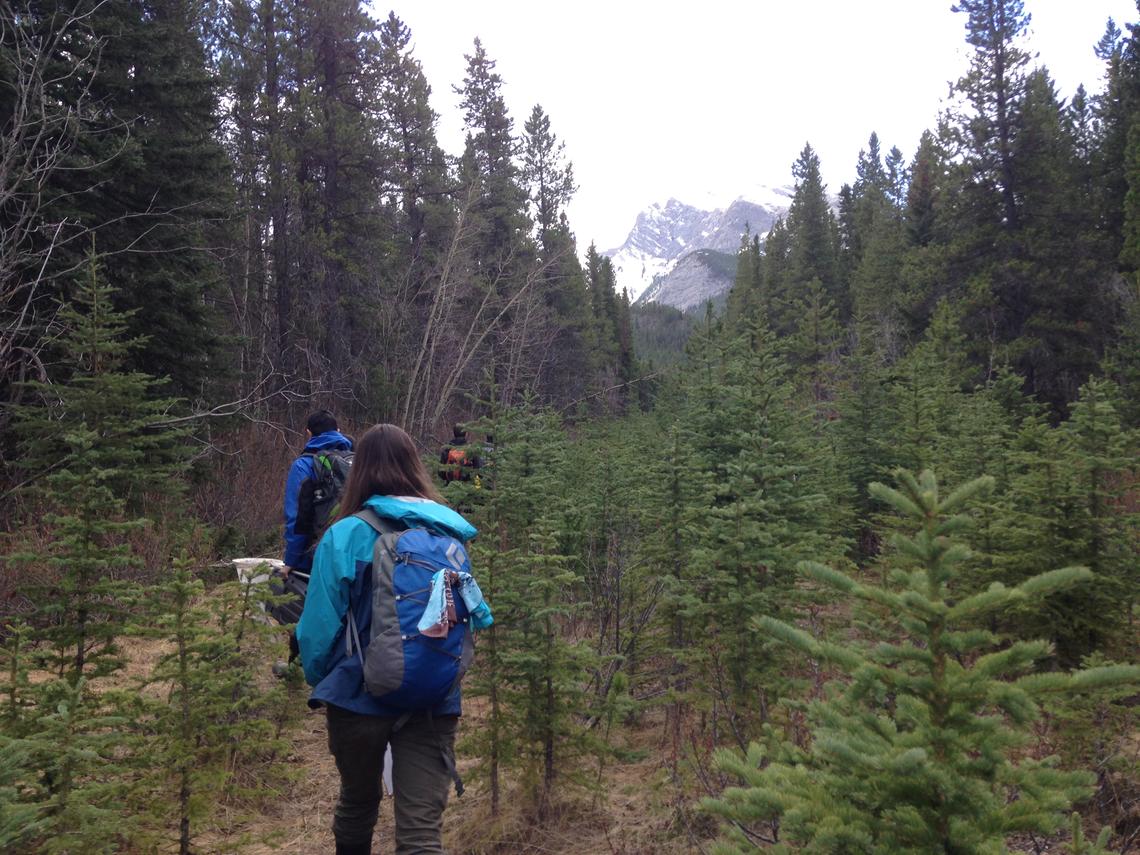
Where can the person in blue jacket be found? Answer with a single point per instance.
(387, 476)
(323, 436)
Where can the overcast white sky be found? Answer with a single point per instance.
(701, 101)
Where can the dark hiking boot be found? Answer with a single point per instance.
(354, 848)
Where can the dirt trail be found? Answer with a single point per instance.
(630, 818)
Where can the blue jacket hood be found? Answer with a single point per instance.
(415, 512)
(329, 439)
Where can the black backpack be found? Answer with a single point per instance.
(317, 504)
(319, 499)
(292, 589)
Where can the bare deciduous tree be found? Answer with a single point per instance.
(461, 324)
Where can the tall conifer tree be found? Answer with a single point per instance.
(813, 238)
(147, 177)
(549, 178)
(96, 449)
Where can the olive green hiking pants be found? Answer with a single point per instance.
(420, 778)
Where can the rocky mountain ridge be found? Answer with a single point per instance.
(665, 234)
(694, 279)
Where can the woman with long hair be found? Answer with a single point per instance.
(388, 478)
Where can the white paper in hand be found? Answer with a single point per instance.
(387, 774)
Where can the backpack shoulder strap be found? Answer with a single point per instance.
(382, 527)
(317, 468)
(378, 523)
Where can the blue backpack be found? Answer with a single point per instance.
(404, 667)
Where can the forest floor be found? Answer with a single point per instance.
(631, 816)
(636, 813)
(637, 810)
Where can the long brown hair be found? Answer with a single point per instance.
(386, 463)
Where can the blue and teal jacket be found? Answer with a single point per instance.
(341, 577)
(297, 553)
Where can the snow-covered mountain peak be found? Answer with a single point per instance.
(764, 195)
(666, 232)
(776, 198)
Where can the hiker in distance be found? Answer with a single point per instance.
(312, 490)
(325, 447)
(393, 559)
(457, 460)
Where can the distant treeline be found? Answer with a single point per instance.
(264, 190)
(1018, 214)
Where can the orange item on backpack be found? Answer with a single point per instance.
(457, 459)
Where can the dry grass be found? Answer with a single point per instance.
(631, 815)
(632, 818)
(243, 489)
(301, 821)
(638, 810)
